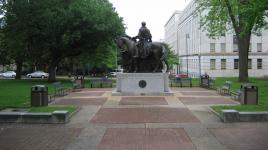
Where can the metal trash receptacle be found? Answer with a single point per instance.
(39, 95)
(204, 81)
(249, 94)
(79, 80)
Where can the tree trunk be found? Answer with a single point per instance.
(19, 63)
(3, 69)
(52, 72)
(243, 46)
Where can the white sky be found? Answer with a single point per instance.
(154, 12)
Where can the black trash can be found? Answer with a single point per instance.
(249, 94)
(39, 95)
(204, 81)
(79, 80)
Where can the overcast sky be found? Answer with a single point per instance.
(154, 12)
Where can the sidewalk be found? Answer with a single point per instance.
(105, 122)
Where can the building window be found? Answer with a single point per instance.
(212, 47)
(236, 63)
(223, 64)
(212, 64)
(249, 64)
(259, 63)
(235, 48)
(223, 47)
(235, 44)
(259, 47)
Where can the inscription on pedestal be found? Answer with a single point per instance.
(142, 84)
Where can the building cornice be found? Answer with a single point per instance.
(176, 12)
(227, 54)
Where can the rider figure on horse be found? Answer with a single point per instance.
(145, 38)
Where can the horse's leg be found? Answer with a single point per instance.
(136, 67)
(158, 61)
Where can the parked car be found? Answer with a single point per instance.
(181, 76)
(114, 72)
(38, 74)
(9, 74)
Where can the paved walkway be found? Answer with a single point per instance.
(105, 122)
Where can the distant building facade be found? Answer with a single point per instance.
(218, 57)
(171, 36)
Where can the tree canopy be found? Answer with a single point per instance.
(244, 17)
(56, 29)
(172, 58)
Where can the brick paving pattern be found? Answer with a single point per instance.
(243, 138)
(144, 115)
(180, 122)
(37, 138)
(143, 101)
(97, 89)
(186, 89)
(81, 101)
(199, 93)
(205, 100)
(87, 94)
(146, 139)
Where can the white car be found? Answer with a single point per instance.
(38, 74)
(9, 74)
(113, 74)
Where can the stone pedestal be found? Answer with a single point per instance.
(153, 84)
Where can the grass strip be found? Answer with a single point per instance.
(70, 109)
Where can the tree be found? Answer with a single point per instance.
(244, 16)
(68, 28)
(53, 30)
(4, 54)
(16, 30)
(104, 58)
(172, 58)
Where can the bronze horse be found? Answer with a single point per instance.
(154, 62)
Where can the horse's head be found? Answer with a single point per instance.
(122, 43)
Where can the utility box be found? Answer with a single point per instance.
(204, 81)
(249, 94)
(39, 95)
(79, 81)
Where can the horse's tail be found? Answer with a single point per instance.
(165, 52)
(164, 57)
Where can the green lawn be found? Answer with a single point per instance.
(195, 82)
(17, 93)
(262, 84)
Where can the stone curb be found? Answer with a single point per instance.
(230, 115)
(56, 117)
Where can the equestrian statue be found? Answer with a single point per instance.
(142, 56)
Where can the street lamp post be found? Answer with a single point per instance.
(116, 63)
(199, 62)
(187, 36)
(177, 67)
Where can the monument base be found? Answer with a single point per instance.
(148, 84)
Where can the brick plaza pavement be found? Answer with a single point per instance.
(105, 122)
